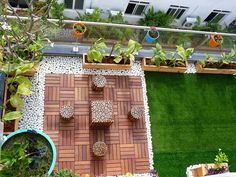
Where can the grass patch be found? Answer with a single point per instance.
(191, 117)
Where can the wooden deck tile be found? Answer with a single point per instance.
(126, 141)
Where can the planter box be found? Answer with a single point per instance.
(147, 67)
(200, 69)
(202, 171)
(12, 125)
(115, 66)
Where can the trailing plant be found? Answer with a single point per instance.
(159, 18)
(221, 157)
(97, 51)
(127, 54)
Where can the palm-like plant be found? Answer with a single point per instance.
(158, 18)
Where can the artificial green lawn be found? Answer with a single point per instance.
(192, 115)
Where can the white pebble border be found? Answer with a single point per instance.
(189, 169)
(191, 68)
(33, 112)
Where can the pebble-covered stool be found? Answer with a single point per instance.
(101, 113)
(99, 149)
(67, 112)
(135, 113)
(99, 83)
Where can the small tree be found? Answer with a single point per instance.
(21, 45)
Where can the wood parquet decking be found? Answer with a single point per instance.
(127, 141)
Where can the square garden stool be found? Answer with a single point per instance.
(99, 149)
(99, 83)
(135, 113)
(67, 112)
(101, 113)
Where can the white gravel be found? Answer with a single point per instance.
(33, 112)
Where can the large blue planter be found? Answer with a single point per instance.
(40, 133)
(150, 39)
(2, 90)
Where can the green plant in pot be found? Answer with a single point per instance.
(160, 55)
(127, 54)
(97, 51)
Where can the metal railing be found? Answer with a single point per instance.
(111, 32)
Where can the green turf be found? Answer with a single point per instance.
(191, 117)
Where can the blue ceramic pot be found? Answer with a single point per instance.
(150, 39)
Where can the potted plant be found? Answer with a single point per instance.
(163, 61)
(96, 58)
(215, 40)
(79, 29)
(219, 166)
(27, 152)
(152, 35)
(223, 65)
(16, 86)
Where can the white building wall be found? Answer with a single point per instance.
(200, 8)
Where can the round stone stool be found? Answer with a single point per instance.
(99, 149)
(67, 112)
(135, 114)
(99, 83)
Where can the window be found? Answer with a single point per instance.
(18, 3)
(216, 16)
(74, 4)
(136, 7)
(176, 11)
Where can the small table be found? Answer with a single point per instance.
(99, 149)
(136, 113)
(99, 83)
(101, 113)
(67, 112)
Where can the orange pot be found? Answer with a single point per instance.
(213, 43)
(77, 33)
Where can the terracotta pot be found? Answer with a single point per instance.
(77, 33)
(213, 43)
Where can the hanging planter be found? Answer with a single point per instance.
(79, 29)
(215, 40)
(152, 35)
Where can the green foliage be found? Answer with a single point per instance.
(57, 11)
(184, 54)
(128, 53)
(159, 19)
(94, 17)
(15, 162)
(97, 51)
(18, 86)
(225, 58)
(221, 157)
(211, 26)
(173, 59)
(159, 56)
(65, 173)
(105, 31)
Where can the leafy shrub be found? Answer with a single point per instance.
(158, 18)
(65, 173)
(211, 26)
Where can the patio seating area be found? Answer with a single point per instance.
(127, 149)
